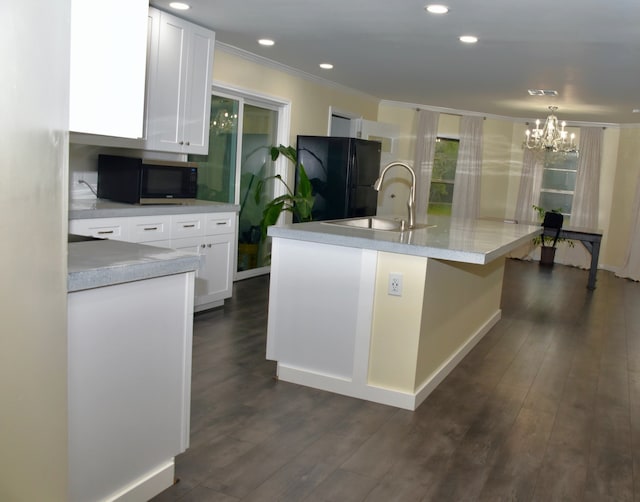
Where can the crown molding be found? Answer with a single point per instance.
(274, 65)
(453, 111)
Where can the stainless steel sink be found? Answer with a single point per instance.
(374, 223)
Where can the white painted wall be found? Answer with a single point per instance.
(34, 99)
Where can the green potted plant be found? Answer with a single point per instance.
(299, 202)
(547, 243)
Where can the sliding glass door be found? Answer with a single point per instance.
(242, 130)
(259, 133)
(216, 170)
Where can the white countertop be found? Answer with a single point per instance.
(470, 241)
(98, 263)
(100, 208)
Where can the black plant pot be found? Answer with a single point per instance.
(547, 255)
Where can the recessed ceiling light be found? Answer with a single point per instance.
(468, 39)
(326, 66)
(266, 42)
(179, 6)
(437, 9)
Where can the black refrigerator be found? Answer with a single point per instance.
(342, 172)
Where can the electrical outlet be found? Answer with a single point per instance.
(395, 284)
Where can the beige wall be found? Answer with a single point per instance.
(310, 100)
(34, 99)
(625, 181)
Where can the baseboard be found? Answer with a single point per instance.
(436, 378)
(390, 397)
(148, 486)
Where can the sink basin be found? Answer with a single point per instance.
(373, 223)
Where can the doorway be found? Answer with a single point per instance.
(243, 127)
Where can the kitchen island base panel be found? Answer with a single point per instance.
(320, 307)
(333, 325)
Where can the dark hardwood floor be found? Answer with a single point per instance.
(546, 407)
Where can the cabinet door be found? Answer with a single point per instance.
(167, 70)
(214, 279)
(197, 99)
(217, 271)
(107, 67)
(179, 98)
(195, 245)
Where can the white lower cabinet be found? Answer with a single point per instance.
(129, 380)
(211, 235)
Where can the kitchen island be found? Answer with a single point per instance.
(384, 315)
(130, 328)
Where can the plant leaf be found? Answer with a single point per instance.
(270, 216)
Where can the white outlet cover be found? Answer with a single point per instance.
(395, 284)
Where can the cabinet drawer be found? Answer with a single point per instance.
(149, 228)
(220, 223)
(188, 225)
(105, 228)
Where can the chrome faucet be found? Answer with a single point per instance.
(411, 203)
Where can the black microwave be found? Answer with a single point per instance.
(142, 181)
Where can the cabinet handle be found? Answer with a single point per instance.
(150, 228)
(188, 143)
(105, 232)
(189, 226)
(208, 245)
(181, 142)
(221, 223)
(202, 246)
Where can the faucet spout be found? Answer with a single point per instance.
(411, 203)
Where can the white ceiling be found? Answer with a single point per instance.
(587, 50)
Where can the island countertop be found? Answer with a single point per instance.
(100, 208)
(478, 241)
(102, 262)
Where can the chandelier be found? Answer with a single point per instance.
(551, 137)
(224, 122)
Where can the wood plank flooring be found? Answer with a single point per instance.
(546, 407)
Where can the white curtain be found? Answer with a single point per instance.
(631, 267)
(466, 189)
(530, 183)
(584, 210)
(426, 136)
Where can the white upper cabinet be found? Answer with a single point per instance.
(107, 67)
(179, 85)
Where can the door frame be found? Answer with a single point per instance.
(283, 108)
(343, 114)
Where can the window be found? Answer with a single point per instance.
(443, 176)
(558, 181)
